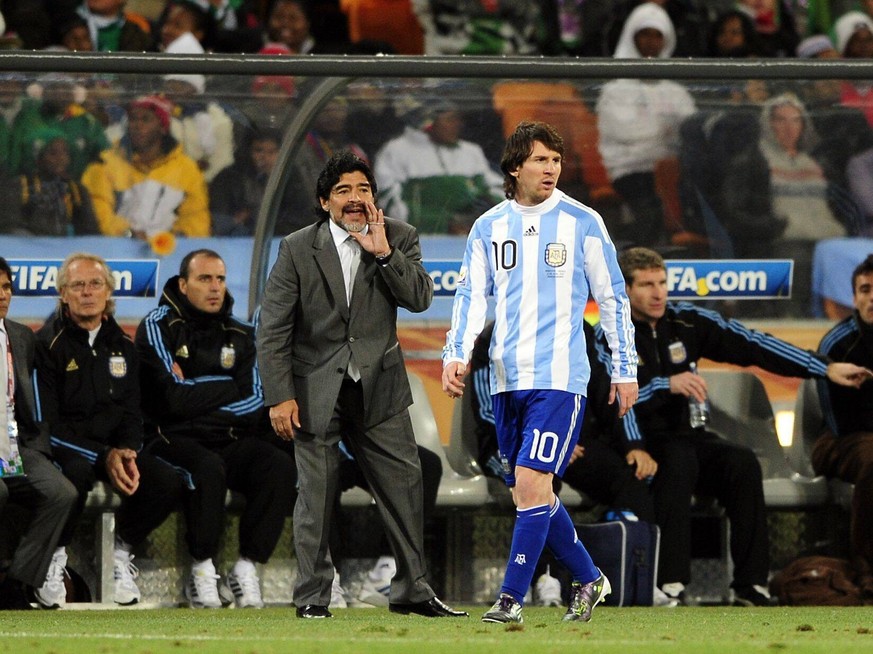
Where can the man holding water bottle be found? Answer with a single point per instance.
(670, 338)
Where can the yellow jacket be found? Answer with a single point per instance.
(168, 195)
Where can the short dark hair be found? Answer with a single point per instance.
(863, 268)
(185, 266)
(520, 144)
(634, 259)
(5, 267)
(344, 161)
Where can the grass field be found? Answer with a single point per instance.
(708, 630)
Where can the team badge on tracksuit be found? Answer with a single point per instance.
(228, 356)
(117, 366)
(678, 353)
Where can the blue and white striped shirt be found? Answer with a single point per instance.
(540, 264)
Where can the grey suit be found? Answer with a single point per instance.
(43, 490)
(306, 337)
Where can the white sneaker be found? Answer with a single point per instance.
(337, 594)
(662, 599)
(548, 590)
(124, 572)
(246, 589)
(377, 585)
(53, 593)
(201, 590)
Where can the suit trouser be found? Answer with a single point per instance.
(704, 464)
(850, 458)
(157, 496)
(250, 466)
(388, 457)
(351, 542)
(50, 497)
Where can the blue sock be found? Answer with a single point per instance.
(528, 540)
(566, 546)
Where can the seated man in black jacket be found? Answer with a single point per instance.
(89, 389)
(204, 411)
(671, 338)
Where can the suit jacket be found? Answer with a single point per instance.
(308, 333)
(32, 433)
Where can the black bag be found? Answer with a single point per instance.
(627, 553)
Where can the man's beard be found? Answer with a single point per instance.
(352, 227)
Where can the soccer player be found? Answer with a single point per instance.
(540, 253)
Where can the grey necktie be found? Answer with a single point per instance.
(351, 259)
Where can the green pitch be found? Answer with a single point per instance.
(708, 630)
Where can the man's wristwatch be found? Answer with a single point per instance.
(385, 258)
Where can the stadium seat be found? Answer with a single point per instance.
(391, 21)
(457, 489)
(741, 412)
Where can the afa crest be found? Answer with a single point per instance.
(228, 357)
(117, 366)
(678, 353)
(556, 255)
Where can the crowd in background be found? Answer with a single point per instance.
(658, 159)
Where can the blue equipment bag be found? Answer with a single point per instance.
(626, 551)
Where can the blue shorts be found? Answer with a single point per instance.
(537, 429)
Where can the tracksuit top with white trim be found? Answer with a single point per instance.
(88, 393)
(219, 398)
(848, 410)
(540, 263)
(687, 333)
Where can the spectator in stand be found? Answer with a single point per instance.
(844, 450)
(236, 193)
(204, 412)
(845, 140)
(854, 40)
(89, 390)
(57, 104)
(289, 22)
(270, 101)
(639, 124)
(818, 46)
(434, 179)
(200, 125)
(113, 29)
(181, 23)
(327, 135)
(235, 26)
(798, 192)
(48, 202)
(229, 14)
(774, 21)
(145, 184)
(688, 17)
(373, 119)
(73, 35)
(42, 490)
(481, 28)
(733, 35)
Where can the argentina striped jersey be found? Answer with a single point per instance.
(540, 263)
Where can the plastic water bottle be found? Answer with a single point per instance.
(698, 411)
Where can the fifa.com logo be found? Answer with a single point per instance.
(681, 279)
(445, 280)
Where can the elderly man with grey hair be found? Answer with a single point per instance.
(88, 377)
